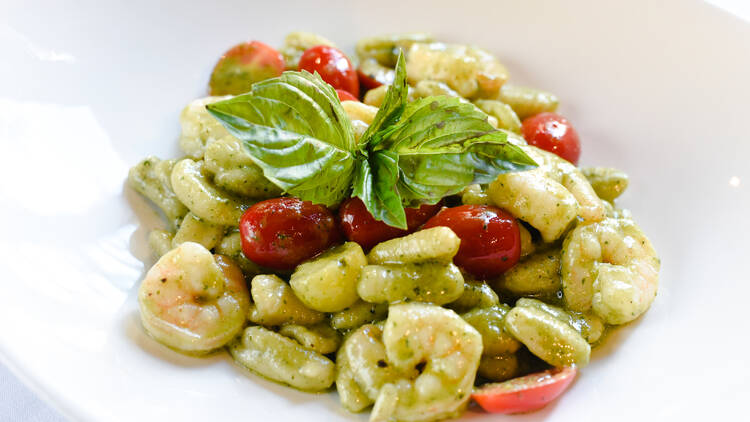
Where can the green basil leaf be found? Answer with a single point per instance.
(392, 107)
(443, 145)
(427, 178)
(305, 167)
(295, 129)
(295, 101)
(375, 183)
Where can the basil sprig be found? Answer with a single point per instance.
(414, 153)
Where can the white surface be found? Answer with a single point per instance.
(658, 89)
(20, 404)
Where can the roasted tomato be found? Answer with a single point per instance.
(333, 66)
(554, 133)
(490, 238)
(372, 74)
(243, 65)
(358, 225)
(281, 233)
(345, 95)
(524, 394)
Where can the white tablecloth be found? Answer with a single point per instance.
(19, 404)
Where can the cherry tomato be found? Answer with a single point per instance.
(372, 74)
(243, 65)
(490, 238)
(358, 225)
(524, 394)
(554, 133)
(345, 95)
(281, 233)
(366, 81)
(333, 66)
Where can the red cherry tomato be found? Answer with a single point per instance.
(490, 238)
(243, 65)
(333, 66)
(366, 81)
(524, 394)
(345, 95)
(554, 133)
(358, 225)
(372, 74)
(281, 233)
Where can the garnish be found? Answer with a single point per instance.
(415, 153)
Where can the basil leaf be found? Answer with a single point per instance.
(295, 129)
(375, 183)
(443, 145)
(391, 109)
(295, 101)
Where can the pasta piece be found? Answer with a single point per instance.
(490, 322)
(608, 183)
(193, 229)
(328, 283)
(359, 111)
(375, 96)
(359, 314)
(526, 101)
(319, 337)
(234, 170)
(503, 113)
(194, 189)
(434, 244)
(476, 294)
(552, 340)
(151, 178)
(276, 304)
(474, 195)
(537, 275)
(199, 127)
(160, 242)
(433, 282)
(470, 71)
(527, 242)
(498, 368)
(588, 324)
(282, 360)
(384, 48)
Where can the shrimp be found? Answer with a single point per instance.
(609, 267)
(549, 197)
(417, 334)
(193, 301)
(362, 359)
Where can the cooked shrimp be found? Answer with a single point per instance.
(610, 267)
(417, 334)
(192, 300)
(548, 197)
(363, 359)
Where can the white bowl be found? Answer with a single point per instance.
(658, 89)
